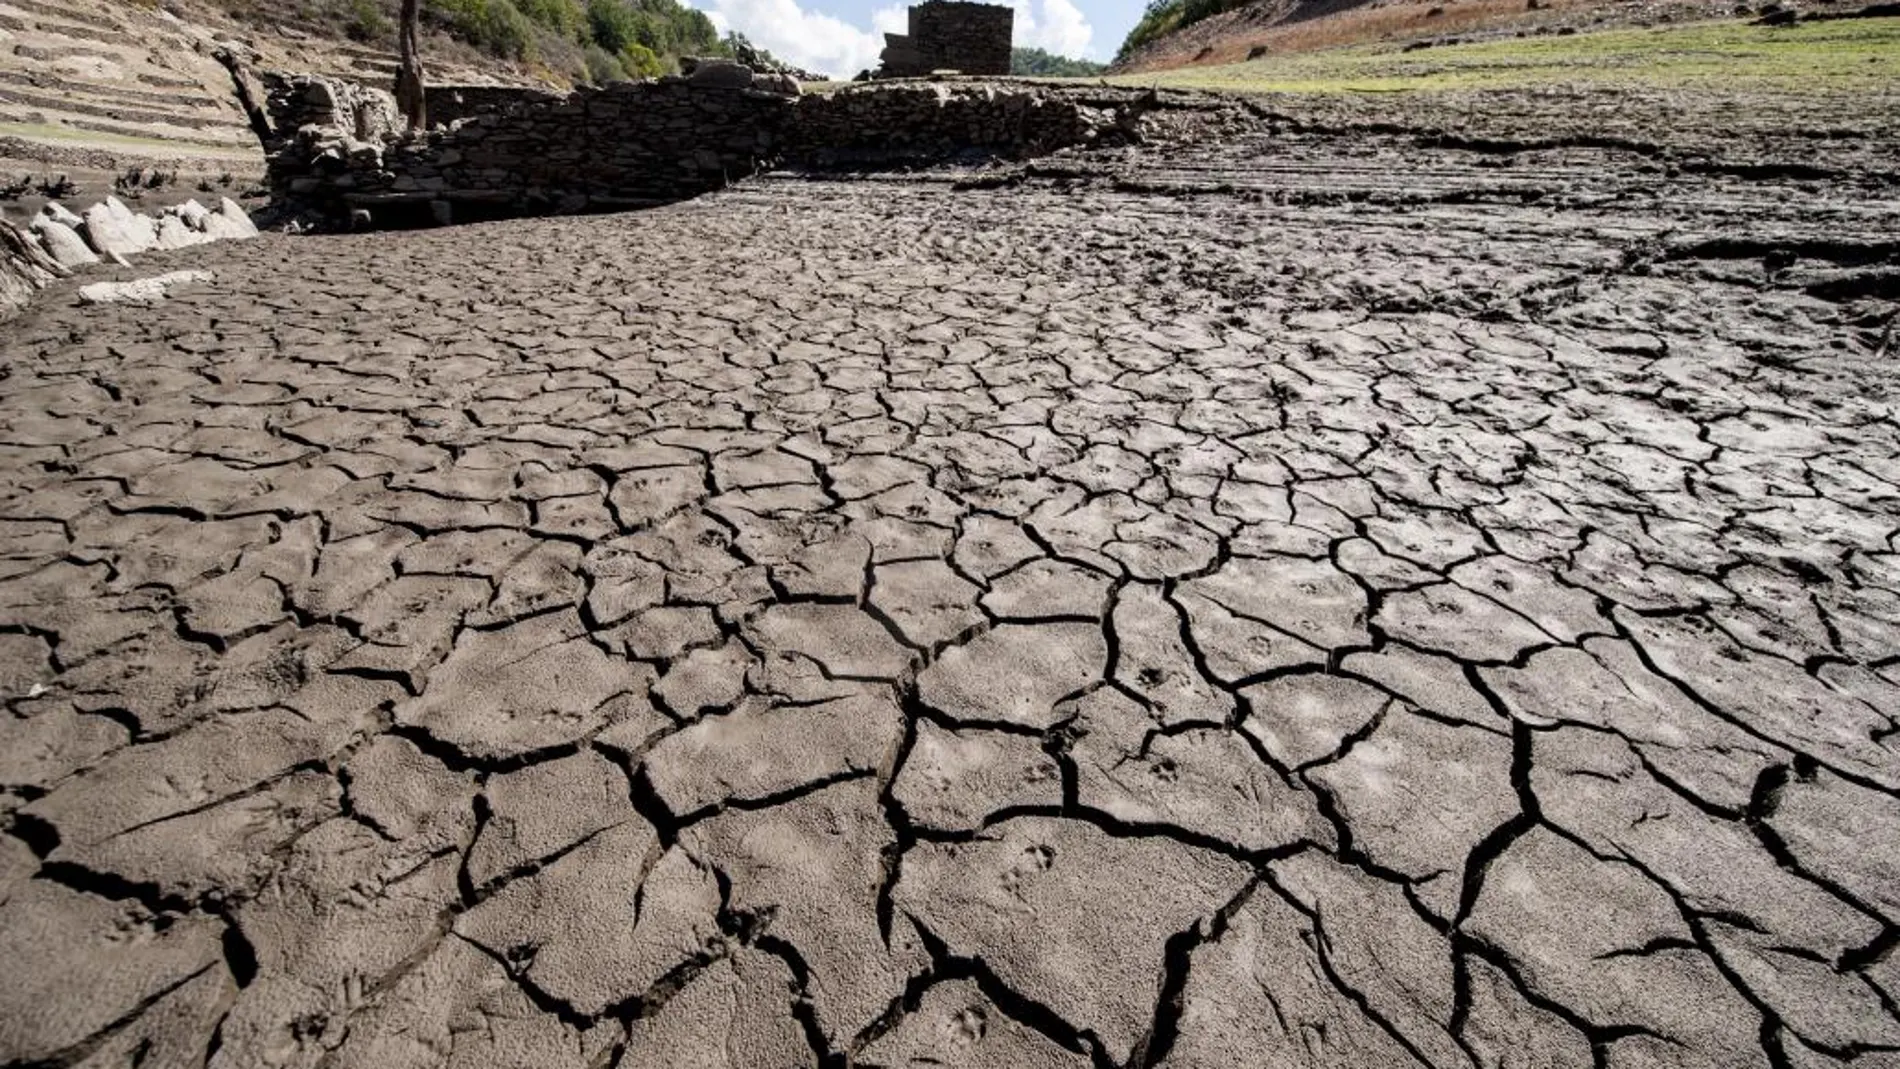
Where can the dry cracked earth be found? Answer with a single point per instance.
(1334, 597)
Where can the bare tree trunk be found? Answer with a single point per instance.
(409, 95)
(249, 94)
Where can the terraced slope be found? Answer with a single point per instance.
(90, 89)
(125, 82)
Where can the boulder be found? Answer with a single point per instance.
(192, 212)
(141, 291)
(142, 227)
(57, 212)
(112, 237)
(219, 228)
(174, 233)
(234, 215)
(776, 82)
(24, 268)
(720, 74)
(63, 243)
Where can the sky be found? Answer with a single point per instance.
(842, 37)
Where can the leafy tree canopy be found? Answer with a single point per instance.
(1036, 63)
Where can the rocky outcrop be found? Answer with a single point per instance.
(24, 268)
(58, 242)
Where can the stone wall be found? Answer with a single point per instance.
(950, 35)
(452, 103)
(637, 144)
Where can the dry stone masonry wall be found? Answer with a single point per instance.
(950, 35)
(338, 160)
(448, 104)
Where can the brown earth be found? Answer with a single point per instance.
(1361, 594)
(1274, 27)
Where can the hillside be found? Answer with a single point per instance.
(1189, 33)
(128, 96)
(97, 95)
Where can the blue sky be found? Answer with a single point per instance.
(842, 37)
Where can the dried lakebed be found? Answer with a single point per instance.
(1332, 598)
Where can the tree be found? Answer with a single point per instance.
(409, 93)
(1034, 62)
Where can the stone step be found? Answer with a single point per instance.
(71, 31)
(356, 51)
(65, 13)
(226, 138)
(123, 113)
(55, 53)
(167, 81)
(202, 102)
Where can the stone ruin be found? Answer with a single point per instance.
(337, 159)
(950, 35)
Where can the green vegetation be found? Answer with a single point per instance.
(1843, 55)
(1035, 63)
(581, 40)
(498, 26)
(367, 21)
(1163, 17)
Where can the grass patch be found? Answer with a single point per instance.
(1815, 56)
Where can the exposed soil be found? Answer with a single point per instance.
(1276, 27)
(1415, 583)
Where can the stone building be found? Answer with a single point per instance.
(950, 35)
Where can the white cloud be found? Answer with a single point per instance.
(829, 45)
(1052, 25)
(893, 19)
(808, 39)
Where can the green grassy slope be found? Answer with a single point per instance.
(1814, 56)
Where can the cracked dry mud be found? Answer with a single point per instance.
(1353, 609)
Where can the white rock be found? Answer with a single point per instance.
(174, 234)
(63, 243)
(235, 215)
(219, 228)
(192, 212)
(57, 212)
(142, 228)
(142, 291)
(111, 236)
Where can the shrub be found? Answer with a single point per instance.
(367, 23)
(613, 24)
(642, 62)
(566, 17)
(496, 25)
(601, 67)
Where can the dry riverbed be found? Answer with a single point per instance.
(1410, 583)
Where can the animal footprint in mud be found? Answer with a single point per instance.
(189, 787)
(133, 926)
(1033, 860)
(965, 1028)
